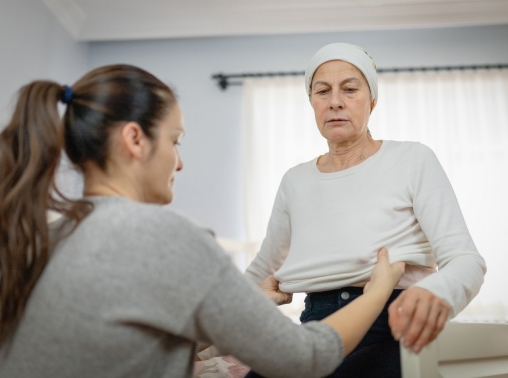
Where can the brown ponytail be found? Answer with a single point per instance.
(29, 153)
(30, 148)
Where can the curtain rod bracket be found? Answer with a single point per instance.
(222, 81)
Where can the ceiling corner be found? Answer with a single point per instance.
(70, 15)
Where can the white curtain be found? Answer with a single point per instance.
(461, 115)
(279, 132)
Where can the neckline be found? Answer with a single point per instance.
(348, 171)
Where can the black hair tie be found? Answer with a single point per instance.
(67, 96)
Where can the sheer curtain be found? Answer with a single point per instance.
(461, 115)
(279, 132)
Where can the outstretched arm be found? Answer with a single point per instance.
(419, 313)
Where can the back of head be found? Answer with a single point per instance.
(106, 98)
(30, 147)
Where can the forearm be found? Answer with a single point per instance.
(457, 282)
(353, 321)
(239, 320)
(460, 266)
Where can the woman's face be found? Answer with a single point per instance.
(164, 160)
(340, 97)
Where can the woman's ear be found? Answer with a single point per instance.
(135, 141)
(372, 105)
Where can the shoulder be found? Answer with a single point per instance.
(300, 171)
(153, 229)
(296, 177)
(422, 164)
(121, 212)
(423, 155)
(413, 150)
(402, 146)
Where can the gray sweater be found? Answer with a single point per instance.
(132, 289)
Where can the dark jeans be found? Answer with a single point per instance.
(377, 355)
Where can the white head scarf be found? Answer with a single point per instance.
(353, 54)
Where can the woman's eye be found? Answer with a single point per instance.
(350, 90)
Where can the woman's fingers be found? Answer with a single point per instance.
(417, 316)
(400, 313)
(282, 298)
(396, 269)
(269, 283)
(441, 321)
(270, 287)
(288, 298)
(432, 327)
(385, 275)
(418, 322)
(399, 268)
(382, 254)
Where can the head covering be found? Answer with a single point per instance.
(353, 54)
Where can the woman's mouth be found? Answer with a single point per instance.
(336, 121)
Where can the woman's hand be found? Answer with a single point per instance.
(270, 287)
(385, 275)
(418, 316)
(354, 320)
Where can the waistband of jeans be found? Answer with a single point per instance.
(352, 290)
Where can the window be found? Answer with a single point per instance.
(461, 115)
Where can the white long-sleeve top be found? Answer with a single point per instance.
(326, 228)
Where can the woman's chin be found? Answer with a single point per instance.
(168, 199)
(340, 136)
(162, 198)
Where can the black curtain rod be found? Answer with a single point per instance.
(223, 80)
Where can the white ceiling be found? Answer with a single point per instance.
(99, 20)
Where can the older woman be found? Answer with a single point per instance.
(120, 287)
(333, 213)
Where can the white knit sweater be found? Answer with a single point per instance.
(326, 228)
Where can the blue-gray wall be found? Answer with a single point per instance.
(33, 45)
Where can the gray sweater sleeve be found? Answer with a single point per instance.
(237, 318)
(240, 320)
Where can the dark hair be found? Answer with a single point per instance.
(30, 147)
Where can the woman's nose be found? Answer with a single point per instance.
(179, 165)
(336, 101)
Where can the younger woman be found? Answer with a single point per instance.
(120, 287)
